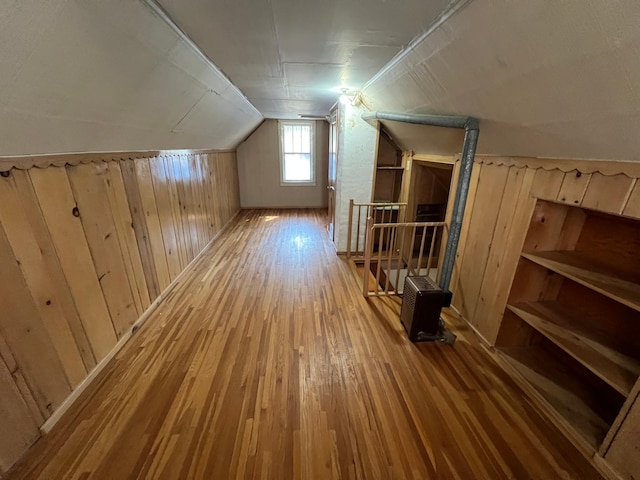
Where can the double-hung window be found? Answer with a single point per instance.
(297, 165)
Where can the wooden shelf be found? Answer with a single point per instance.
(572, 400)
(565, 329)
(589, 274)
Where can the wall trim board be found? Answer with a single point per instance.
(604, 167)
(24, 162)
(88, 381)
(435, 159)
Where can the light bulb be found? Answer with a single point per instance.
(344, 99)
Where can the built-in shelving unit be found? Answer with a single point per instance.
(389, 170)
(570, 327)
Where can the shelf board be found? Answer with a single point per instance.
(561, 327)
(590, 275)
(561, 390)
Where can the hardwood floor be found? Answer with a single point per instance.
(266, 362)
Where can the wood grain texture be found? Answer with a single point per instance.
(15, 418)
(27, 233)
(622, 452)
(90, 191)
(547, 184)
(492, 182)
(57, 203)
(632, 209)
(481, 274)
(608, 194)
(77, 268)
(26, 336)
(124, 227)
(265, 362)
(573, 188)
(508, 237)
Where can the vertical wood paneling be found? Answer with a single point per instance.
(89, 188)
(165, 216)
(21, 383)
(124, 227)
(184, 190)
(18, 429)
(498, 217)
(150, 210)
(632, 209)
(608, 193)
(547, 183)
(196, 185)
(471, 198)
(508, 237)
(491, 185)
(573, 188)
(57, 204)
(26, 231)
(176, 211)
(139, 223)
(73, 281)
(26, 337)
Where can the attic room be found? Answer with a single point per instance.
(216, 218)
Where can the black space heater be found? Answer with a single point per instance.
(422, 302)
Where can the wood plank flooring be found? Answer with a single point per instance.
(266, 362)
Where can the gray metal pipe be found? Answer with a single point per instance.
(449, 121)
(472, 132)
(460, 201)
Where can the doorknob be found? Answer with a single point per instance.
(331, 187)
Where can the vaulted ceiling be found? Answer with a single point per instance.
(287, 55)
(545, 79)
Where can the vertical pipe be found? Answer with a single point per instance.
(466, 165)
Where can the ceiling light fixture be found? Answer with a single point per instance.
(347, 96)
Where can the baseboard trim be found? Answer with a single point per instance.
(48, 425)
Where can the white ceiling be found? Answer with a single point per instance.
(545, 78)
(557, 79)
(108, 75)
(286, 55)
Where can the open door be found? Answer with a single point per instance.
(333, 169)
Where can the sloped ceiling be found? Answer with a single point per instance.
(97, 75)
(545, 78)
(286, 55)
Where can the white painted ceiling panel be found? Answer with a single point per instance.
(310, 46)
(108, 75)
(546, 79)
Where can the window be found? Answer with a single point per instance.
(297, 164)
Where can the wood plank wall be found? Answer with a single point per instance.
(501, 201)
(84, 250)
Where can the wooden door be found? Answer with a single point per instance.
(333, 169)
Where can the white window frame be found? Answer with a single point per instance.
(312, 166)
